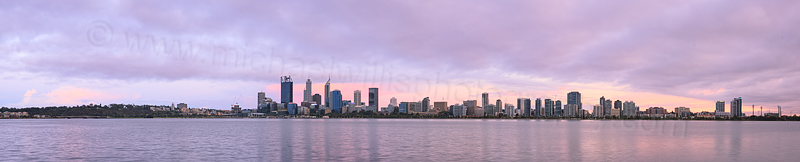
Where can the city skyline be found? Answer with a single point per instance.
(657, 54)
(552, 107)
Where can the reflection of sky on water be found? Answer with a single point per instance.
(395, 140)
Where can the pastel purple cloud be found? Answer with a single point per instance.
(680, 48)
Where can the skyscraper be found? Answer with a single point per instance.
(597, 111)
(317, 99)
(485, 99)
(603, 105)
(286, 89)
(426, 102)
(629, 108)
(607, 108)
(574, 97)
(307, 92)
(336, 101)
(393, 102)
(498, 106)
(470, 106)
(525, 105)
(548, 108)
(720, 106)
(618, 104)
(510, 110)
(357, 97)
(557, 109)
(373, 97)
(328, 93)
(571, 110)
(538, 109)
(736, 107)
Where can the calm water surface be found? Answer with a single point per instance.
(395, 140)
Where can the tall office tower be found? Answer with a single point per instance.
(498, 106)
(524, 104)
(470, 106)
(618, 104)
(557, 109)
(629, 108)
(373, 97)
(538, 110)
(307, 92)
(597, 111)
(317, 99)
(393, 102)
(440, 106)
(607, 108)
(286, 89)
(574, 97)
(603, 102)
(736, 107)
(357, 97)
(336, 101)
(548, 108)
(328, 93)
(485, 99)
(720, 106)
(426, 103)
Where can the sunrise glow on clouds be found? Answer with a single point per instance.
(213, 54)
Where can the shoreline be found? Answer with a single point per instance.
(776, 119)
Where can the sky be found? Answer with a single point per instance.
(213, 54)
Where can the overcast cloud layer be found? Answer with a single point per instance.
(691, 52)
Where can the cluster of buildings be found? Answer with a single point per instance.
(7, 114)
(607, 108)
(331, 101)
(183, 108)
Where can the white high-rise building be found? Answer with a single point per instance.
(598, 111)
(262, 98)
(510, 111)
(328, 93)
(572, 110)
(629, 108)
(307, 92)
(357, 97)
